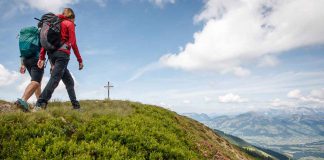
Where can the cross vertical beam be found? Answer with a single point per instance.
(108, 89)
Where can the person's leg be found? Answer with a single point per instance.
(36, 75)
(36, 79)
(38, 91)
(52, 62)
(69, 85)
(57, 73)
(30, 89)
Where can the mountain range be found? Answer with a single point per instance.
(297, 132)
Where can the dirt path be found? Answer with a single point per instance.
(7, 107)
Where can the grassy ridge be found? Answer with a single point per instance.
(109, 130)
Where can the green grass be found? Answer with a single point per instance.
(109, 130)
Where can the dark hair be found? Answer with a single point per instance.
(39, 24)
(69, 13)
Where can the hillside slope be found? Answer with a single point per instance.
(254, 150)
(109, 130)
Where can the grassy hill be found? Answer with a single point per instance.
(108, 130)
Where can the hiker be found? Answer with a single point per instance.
(29, 46)
(60, 57)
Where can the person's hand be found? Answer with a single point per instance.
(40, 64)
(80, 66)
(22, 69)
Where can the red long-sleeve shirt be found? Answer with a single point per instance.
(67, 36)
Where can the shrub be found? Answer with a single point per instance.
(104, 130)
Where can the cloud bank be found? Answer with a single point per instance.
(316, 96)
(11, 7)
(49, 5)
(238, 32)
(231, 98)
(7, 77)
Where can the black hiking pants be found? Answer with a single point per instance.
(60, 61)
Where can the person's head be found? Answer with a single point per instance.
(68, 13)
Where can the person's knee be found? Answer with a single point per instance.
(55, 80)
(35, 83)
(69, 85)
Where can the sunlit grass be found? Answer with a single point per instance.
(108, 130)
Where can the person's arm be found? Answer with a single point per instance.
(72, 41)
(22, 66)
(41, 60)
(21, 60)
(42, 54)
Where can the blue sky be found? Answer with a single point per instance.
(212, 56)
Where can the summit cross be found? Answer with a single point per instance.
(108, 88)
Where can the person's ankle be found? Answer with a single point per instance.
(41, 104)
(76, 106)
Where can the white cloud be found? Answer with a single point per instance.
(280, 103)
(186, 101)
(7, 77)
(162, 104)
(294, 94)
(207, 99)
(231, 98)
(239, 71)
(237, 32)
(161, 3)
(140, 72)
(318, 93)
(165, 105)
(11, 7)
(268, 61)
(49, 5)
(316, 96)
(24, 81)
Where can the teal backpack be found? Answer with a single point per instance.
(29, 44)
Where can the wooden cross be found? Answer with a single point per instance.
(108, 88)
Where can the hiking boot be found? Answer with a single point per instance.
(39, 106)
(76, 107)
(22, 104)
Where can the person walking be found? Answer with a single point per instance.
(29, 53)
(60, 59)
